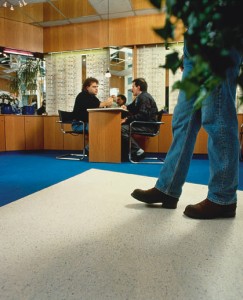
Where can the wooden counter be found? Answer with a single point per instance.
(25, 132)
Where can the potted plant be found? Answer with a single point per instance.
(26, 76)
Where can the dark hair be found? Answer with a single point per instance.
(88, 81)
(123, 98)
(142, 83)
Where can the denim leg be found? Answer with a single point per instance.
(185, 126)
(219, 118)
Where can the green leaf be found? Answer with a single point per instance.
(172, 61)
(165, 32)
(156, 3)
(188, 86)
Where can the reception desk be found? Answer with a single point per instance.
(105, 134)
(43, 133)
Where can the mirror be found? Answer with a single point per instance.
(21, 80)
(121, 69)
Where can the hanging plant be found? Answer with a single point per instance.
(214, 27)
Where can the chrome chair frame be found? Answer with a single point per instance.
(157, 123)
(65, 117)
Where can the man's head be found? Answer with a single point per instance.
(139, 85)
(91, 85)
(121, 100)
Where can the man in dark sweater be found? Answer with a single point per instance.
(85, 100)
(143, 108)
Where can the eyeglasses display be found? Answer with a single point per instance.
(148, 66)
(64, 77)
(173, 95)
(65, 72)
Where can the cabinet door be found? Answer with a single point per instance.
(2, 134)
(53, 137)
(72, 142)
(165, 136)
(201, 142)
(14, 132)
(34, 132)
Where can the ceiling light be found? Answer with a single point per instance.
(108, 74)
(20, 3)
(18, 52)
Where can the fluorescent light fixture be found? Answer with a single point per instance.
(18, 52)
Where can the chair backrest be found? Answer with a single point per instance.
(159, 119)
(65, 116)
(159, 115)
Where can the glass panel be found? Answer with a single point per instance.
(121, 63)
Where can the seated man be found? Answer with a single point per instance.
(85, 100)
(143, 108)
(121, 100)
(42, 110)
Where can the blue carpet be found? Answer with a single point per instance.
(23, 172)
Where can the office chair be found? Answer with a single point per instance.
(155, 132)
(66, 118)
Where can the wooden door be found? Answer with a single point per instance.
(53, 137)
(34, 132)
(14, 132)
(2, 134)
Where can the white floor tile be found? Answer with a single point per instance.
(87, 238)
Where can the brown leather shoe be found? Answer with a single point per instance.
(207, 209)
(155, 196)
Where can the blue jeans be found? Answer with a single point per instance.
(218, 117)
(79, 127)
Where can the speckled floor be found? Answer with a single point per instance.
(87, 238)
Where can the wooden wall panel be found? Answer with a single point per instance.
(2, 134)
(14, 133)
(21, 36)
(201, 142)
(165, 137)
(72, 142)
(34, 132)
(123, 32)
(136, 30)
(53, 137)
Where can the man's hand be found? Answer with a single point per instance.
(123, 120)
(107, 103)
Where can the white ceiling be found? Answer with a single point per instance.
(103, 9)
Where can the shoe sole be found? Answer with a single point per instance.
(222, 216)
(164, 204)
